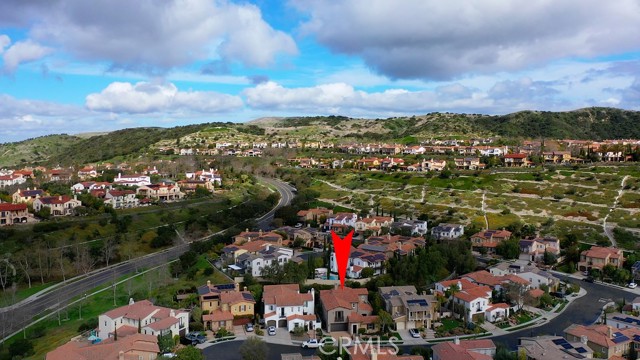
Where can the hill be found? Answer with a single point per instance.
(33, 151)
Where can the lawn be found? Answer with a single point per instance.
(450, 324)
(7, 298)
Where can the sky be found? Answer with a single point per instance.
(74, 66)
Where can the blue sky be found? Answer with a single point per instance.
(70, 66)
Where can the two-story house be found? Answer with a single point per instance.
(598, 257)
(516, 160)
(489, 240)
(226, 305)
(447, 231)
(132, 180)
(132, 346)
(374, 223)
(480, 349)
(62, 205)
(611, 343)
(143, 315)
(339, 304)
(161, 192)
(286, 307)
(87, 172)
(409, 309)
(121, 199)
(13, 214)
(534, 249)
(410, 227)
(468, 163)
(27, 196)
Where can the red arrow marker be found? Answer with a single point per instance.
(342, 248)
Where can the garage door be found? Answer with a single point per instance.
(400, 325)
(338, 327)
(271, 323)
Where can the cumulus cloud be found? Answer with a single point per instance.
(339, 98)
(22, 52)
(4, 42)
(146, 97)
(433, 39)
(153, 36)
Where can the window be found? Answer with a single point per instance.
(353, 305)
(339, 316)
(371, 326)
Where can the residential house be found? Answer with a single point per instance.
(130, 347)
(248, 236)
(87, 172)
(483, 277)
(556, 157)
(414, 150)
(226, 305)
(341, 223)
(433, 165)
(553, 347)
(132, 180)
(604, 339)
(409, 309)
(598, 257)
(339, 304)
(483, 349)
(472, 300)
(59, 175)
(447, 231)
(527, 271)
(317, 215)
(535, 249)
(211, 175)
(190, 186)
(373, 224)
(410, 227)
(143, 315)
(377, 353)
(368, 163)
(62, 205)
(468, 163)
(90, 186)
(489, 240)
(162, 192)
(13, 214)
(266, 256)
(286, 307)
(26, 196)
(623, 321)
(391, 163)
(11, 180)
(516, 160)
(121, 199)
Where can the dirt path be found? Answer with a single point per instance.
(484, 213)
(608, 230)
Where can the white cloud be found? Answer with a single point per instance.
(22, 52)
(153, 36)
(146, 97)
(4, 42)
(434, 39)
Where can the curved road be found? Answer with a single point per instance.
(15, 317)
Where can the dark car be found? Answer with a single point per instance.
(558, 295)
(588, 279)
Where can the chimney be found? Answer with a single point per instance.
(131, 302)
(456, 340)
(584, 339)
(208, 283)
(121, 355)
(610, 332)
(260, 232)
(60, 197)
(245, 289)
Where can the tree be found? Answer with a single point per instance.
(509, 249)
(21, 348)
(385, 321)
(189, 353)
(367, 272)
(516, 293)
(254, 348)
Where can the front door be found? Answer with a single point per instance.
(354, 329)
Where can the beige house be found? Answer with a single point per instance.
(62, 205)
(409, 309)
(13, 214)
(603, 339)
(598, 257)
(339, 304)
(161, 192)
(225, 303)
(27, 196)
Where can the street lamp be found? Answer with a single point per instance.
(84, 297)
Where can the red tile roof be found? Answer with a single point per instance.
(285, 295)
(218, 315)
(13, 207)
(341, 298)
(131, 345)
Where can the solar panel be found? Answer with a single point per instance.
(581, 350)
(636, 338)
(620, 338)
(567, 346)
(559, 341)
(226, 286)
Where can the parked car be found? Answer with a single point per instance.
(414, 333)
(271, 330)
(195, 338)
(248, 327)
(632, 285)
(312, 344)
(167, 355)
(588, 279)
(558, 295)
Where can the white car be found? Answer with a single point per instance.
(312, 344)
(414, 333)
(271, 330)
(632, 285)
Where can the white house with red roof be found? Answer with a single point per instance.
(12, 179)
(132, 180)
(87, 172)
(286, 307)
(161, 192)
(151, 319)
(476, 298)
(534, 249)
(211, 175)
(13, 214)
(62, 205)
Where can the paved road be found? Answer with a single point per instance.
(14, 318)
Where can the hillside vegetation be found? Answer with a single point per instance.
(38, 150)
